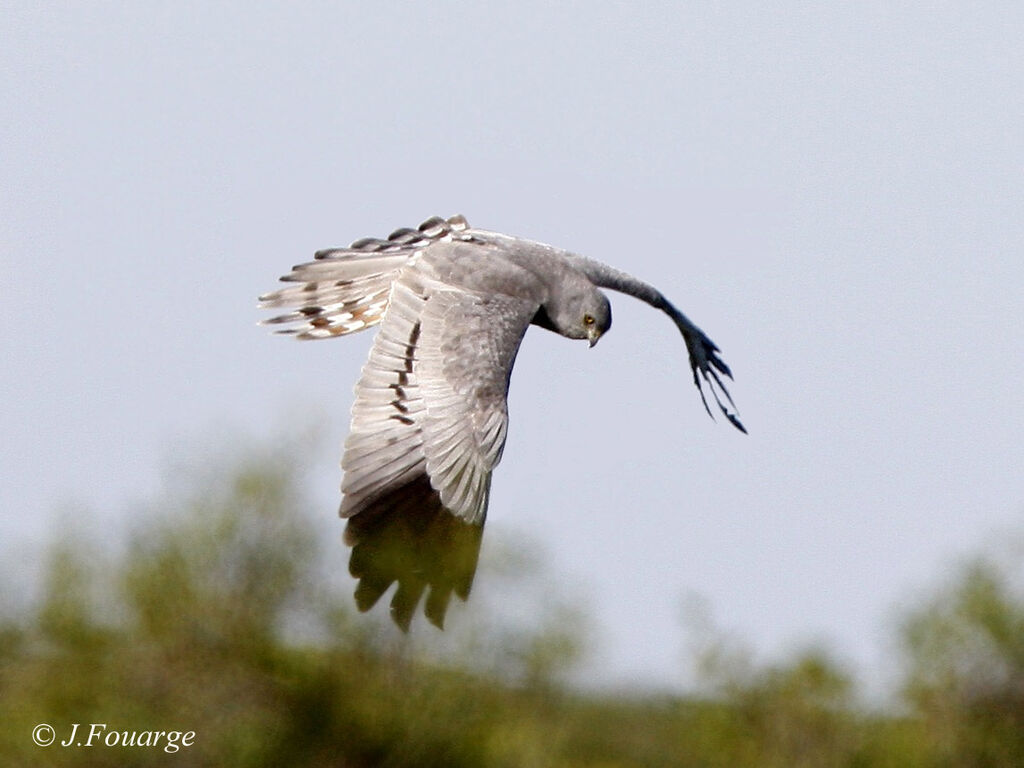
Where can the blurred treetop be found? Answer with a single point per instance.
(222, 616)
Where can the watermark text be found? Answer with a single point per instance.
(101, 735)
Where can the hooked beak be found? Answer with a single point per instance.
(593, 334)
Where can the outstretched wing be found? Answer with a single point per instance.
(428, 427)
(705, 362)
(346, 289)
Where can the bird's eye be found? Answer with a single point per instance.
(588, 320)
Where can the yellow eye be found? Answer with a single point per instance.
(588, 320)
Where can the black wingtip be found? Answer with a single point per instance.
(402, 619)
(706, 366)
(736, 423)
(408, 536)
(403, 604)
(437, 606)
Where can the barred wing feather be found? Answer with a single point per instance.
(428, 426)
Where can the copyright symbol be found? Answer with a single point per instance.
(43, 735)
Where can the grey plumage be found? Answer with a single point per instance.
(429, 420)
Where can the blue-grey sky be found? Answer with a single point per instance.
(833, 192)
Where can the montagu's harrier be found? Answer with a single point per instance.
(429, 419)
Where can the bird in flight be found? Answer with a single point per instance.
(430, 414)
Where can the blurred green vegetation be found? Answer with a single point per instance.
(219, 616)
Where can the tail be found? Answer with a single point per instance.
(348, 289)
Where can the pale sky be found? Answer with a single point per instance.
(834, 193)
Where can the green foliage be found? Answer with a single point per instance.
(221, 616)
(967, 667)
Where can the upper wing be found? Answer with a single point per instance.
(705, 360)
(346, 289)
(428, 427)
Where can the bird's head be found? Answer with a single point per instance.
(596, 318)
(588, 317)
(578, 311)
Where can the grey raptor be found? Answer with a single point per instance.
(430, 415)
